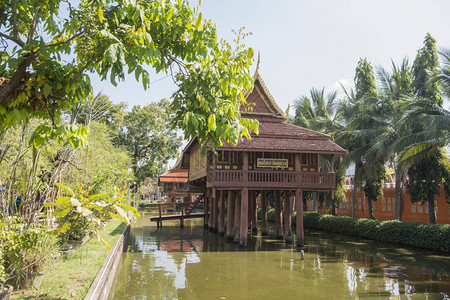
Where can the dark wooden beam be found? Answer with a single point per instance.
(222, 212)
(299, 225)
(231, 200)
(244, 218)
(264, 224)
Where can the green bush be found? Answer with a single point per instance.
(428, 236)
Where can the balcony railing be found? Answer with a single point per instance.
(279, 179)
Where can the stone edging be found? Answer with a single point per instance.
(103, 282)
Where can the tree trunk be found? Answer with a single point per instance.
(431, 212)
(369, 208)
(354, 191)
(398, 193)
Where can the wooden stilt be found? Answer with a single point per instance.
(182, 218)
(278, 216)
(237, 218)
(287, 217)
(264, 225)
(254, 213)
(299, 225)
(210, 209)
(205, 210)
(230, 213)
(222, 212)
(215, 210)
(250, 209)
(244, 217)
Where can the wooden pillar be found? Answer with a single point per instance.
(287, 217)
(205, 210)
(237, 218)
(230, 213)
(210, 209)
(264, 225)
(332, 163)
(215, 210)
(222, 212)
(299, 225)
(244, 218)
(314, 202)
(254, 213)
(250, 209)
(244, 202)
(278, 216)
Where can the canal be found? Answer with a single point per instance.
(195, 263)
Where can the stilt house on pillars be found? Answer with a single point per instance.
(283, 159)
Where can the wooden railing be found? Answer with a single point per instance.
(272, 176)
(254, 178)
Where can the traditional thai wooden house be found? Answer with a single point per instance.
(283, 159)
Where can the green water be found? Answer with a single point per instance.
(194, 263)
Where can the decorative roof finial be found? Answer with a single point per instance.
(286, 113)
(257, 63)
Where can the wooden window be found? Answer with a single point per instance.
(420, 209)
(413, 209)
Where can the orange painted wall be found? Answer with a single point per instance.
(384, 208)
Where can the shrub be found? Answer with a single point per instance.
(428, 236)
(25, 249)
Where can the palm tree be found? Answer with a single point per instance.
(318, 112)
(357, 114)
(394, 88)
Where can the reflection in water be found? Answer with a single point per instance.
(193, 263)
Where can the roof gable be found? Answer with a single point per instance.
(260, 102)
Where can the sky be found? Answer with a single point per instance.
(305, 44)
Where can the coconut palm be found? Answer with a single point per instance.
(318, 111)
(394, 88)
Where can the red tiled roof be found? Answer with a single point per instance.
(280, 136)
(178, 176)
(287, 144)
(287, 130)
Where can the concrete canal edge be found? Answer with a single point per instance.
(100, 288)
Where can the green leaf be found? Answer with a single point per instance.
(212, 122)
(100, 14)
(47, 89)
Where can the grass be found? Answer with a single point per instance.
(70, 277)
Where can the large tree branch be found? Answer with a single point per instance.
(81, 71)
(66, 41)
(14, 18)
(12, 38)
(37, 15)
(16, 80)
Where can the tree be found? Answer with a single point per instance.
(425, 64)
(148, 137)
(426, 177)
(357, 112)
(394, 88)
(101, 166)
(50, 47)
(426, 90)
(319, 112)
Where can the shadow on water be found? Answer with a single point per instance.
(196, 263)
